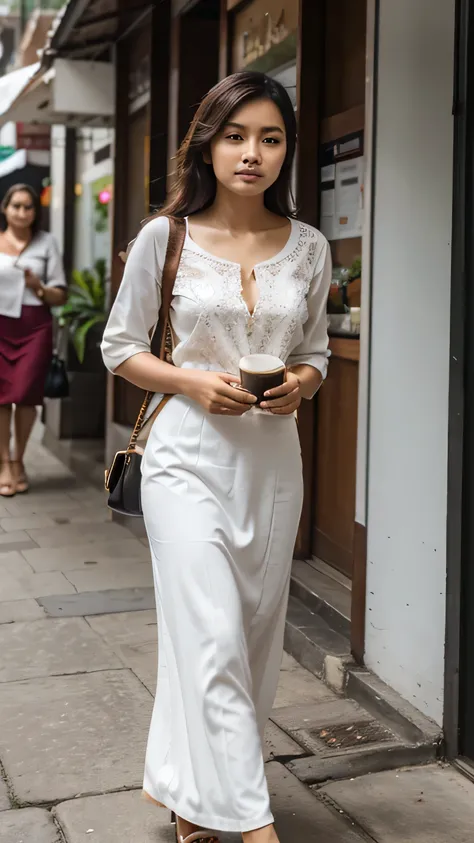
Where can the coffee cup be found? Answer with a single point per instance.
(261, 372)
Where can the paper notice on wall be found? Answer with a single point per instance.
(349, 199)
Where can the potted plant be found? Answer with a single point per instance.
(83, 317)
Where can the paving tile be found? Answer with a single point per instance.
(98, 602)
(300, 816)
(25, 522)
(4, 800)
(71, 558)
(14, 562)
(114, 817)
(19, 540)
(52, 648)
(20, 610)
(87, 515)
(279, 745)
(326, 713)
(426, 805)
(88, 494)
(22, 585)
(133, 637)
(297, 685)
(71, 534)
(62, 736)
(108, 575)
(30, 825)
(40, 504)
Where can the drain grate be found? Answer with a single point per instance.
(357, 734)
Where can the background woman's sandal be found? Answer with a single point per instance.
(7, 487)
(21, 485)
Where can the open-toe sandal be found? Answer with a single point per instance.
(22, 484)
(7, 488)
(201, 836)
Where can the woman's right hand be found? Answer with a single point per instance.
(215, 393)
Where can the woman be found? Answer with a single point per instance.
(31, 281)
(222, 481)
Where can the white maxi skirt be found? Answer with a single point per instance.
(222, 500)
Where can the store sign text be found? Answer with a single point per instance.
(259, 39)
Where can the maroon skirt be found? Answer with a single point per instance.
(26, 347)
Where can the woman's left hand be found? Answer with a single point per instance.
(285, 399)
(31, 280)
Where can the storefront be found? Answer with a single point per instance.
(317, 49)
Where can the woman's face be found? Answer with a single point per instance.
(20, 211)
(248, 154)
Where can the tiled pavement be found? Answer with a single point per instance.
(76, 693)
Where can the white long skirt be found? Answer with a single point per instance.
(222, 500)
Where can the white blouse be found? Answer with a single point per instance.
(43, 258)
(211, 323)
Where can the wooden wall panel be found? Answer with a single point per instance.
(335, 464)
(345, 37)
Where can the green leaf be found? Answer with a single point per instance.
(80, 336)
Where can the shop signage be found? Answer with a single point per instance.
(263, 32)
(260, 38)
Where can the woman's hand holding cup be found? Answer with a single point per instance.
(285, 399)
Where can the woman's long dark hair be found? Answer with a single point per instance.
(21, 188)
(195, 186)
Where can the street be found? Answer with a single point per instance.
(77, 678)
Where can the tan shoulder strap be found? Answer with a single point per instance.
(176, 238)
(174, 250)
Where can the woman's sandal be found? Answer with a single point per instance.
(7, 490)
(196, 837)
(22, 484)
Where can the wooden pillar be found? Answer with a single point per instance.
(120, 163)
(160, 97)
(310, 69)
(224, 64)
(69, 200)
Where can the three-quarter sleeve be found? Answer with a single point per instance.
(137, 304)
(54, 265)
(313, 350)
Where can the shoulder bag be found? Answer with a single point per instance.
(123, 478)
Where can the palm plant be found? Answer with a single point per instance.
(85, 306)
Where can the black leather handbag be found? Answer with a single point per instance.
(123, 478)
(56, 384)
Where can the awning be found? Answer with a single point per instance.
(12, 84)
(72, 93)
(21, 158)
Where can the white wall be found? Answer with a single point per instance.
(410, 350)
(58, 154)
(89, 245)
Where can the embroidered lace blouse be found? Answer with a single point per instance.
(211, 322)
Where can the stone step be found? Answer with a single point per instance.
(324, 594)
(315, 645)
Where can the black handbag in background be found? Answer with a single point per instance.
(57, 383)
(123, 478)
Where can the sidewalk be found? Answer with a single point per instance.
(77, 678)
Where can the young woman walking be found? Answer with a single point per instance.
(222, 480)
(31, 282)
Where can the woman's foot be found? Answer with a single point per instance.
(186, 832)
(261, 835)
(20, 477)
(7, 481)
